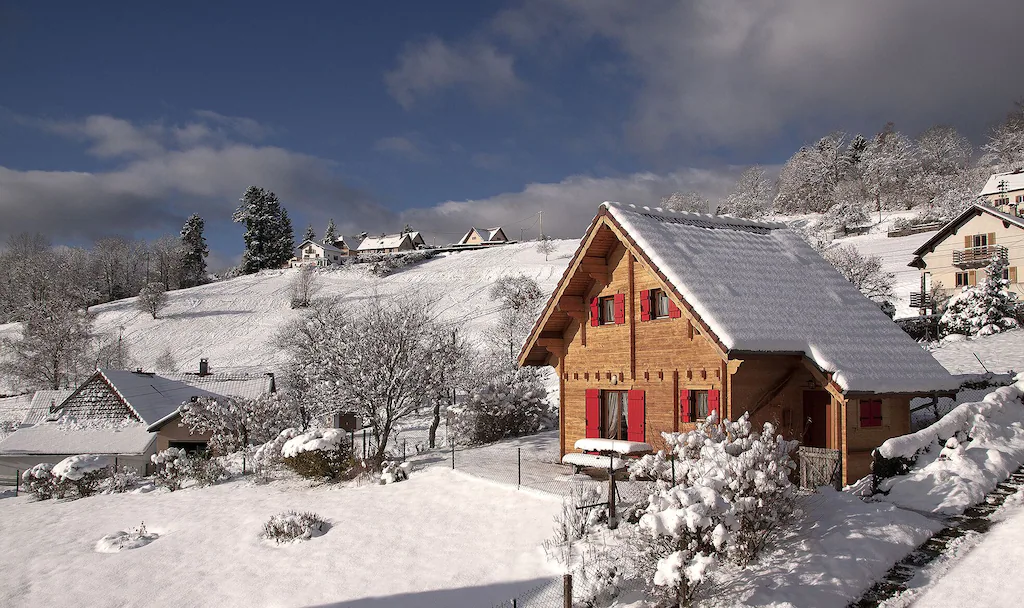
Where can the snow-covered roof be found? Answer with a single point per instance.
(759, 287)
(487, 234)
(42, 402)
(327, 248)
(242, 386)
(154, 398)
(388, 241)
(62, 438)
(14, 410)
(1014, 180)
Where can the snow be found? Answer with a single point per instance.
(839, 548)
(153, 398)
(593, 460)
(234, 322)
(42, 402)
(13, 412)
(1014, 181)
(317, 439)
(65, 438)
(999, 353)
(76, 467)
(440, 539)
(950, 477)
(124, 540)
(760, 287)
(619, 446)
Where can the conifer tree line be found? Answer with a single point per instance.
(848, 178)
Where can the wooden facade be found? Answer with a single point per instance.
(655, 363)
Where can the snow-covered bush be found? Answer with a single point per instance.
(122, 540)
(292, 525)
(40, 481)
(749, 470)
(238, 423)
(267, 457)
(172, 467)
(383, 264)
(982, 310)
(205, 469)
(123, 480)
(393, 472)
(501, 409)
(319, 454)
(84, 473)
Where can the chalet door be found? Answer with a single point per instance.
(816, 404)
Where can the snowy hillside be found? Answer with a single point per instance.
(233, 322)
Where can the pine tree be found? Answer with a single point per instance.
(285, 242)
(983, 310)
(329, 234)
(269, 241)
(310, 234)
(194, 252)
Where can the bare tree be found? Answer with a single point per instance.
(304, 286)
(865, 272)
(752, 195)
(53, 351)
(545, 245)
(690, 202)
(152, 298)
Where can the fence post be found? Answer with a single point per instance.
(519, 467)
(612, 524)
(567, 591)
(115, 464)
(17, 481)
(673, 460)
(514, 604)
(453, 456)
(364, 444)
(404, 457)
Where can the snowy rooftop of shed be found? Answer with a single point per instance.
(760, 287)
(61, 438)
(154, 398)
(1014, 180)
(390, 241)
(14, 410)
(42, 402)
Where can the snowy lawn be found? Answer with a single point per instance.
(1001, 353)
(439, 539)
(840, 548)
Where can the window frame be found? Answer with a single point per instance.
(979, 241)
(622, 432)
(659, 297)
(606, 310)
(694, 406)
(963, 279)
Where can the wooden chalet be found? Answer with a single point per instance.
(662, 318)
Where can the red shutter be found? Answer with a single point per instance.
(713, 400)
(595, 313)
(876, 412)
(593, 412)
(635, 419)
(871, 413)
(673, 310)
(645, 305)
(620, 308)
(684, 405)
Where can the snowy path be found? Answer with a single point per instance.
(440, 539)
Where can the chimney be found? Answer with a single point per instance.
(204, 367)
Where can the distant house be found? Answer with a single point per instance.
(957, 255)
(390, 243)
(318, 254)
(1005, 191)
(131, 415)
(662, 318)
(484, 236)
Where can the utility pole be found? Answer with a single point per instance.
(541, 214)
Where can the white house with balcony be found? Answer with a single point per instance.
(312, 253)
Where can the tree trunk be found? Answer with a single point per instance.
(436, 422)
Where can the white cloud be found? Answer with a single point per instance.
(428, 67)
(400, 146)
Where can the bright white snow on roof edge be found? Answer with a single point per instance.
(761, 288)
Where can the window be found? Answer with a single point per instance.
(980, 240)
(1001, 201)
(871, 412)
(659, 304)
(607, 310)
(614, 415)
(698, 405)
(962, 279)
(1020, 198)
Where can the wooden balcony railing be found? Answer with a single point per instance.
(920, 300)
(976, 257)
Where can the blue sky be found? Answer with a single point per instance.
(123, 119)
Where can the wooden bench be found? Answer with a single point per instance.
(593, 461)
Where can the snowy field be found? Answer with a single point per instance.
(1000, 353)
(234, 322)
(441, 539)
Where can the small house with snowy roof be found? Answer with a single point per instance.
(484, 236)
(312, 253)
(390, 243)
(957, 255)
(663, 318)
(1005, 191)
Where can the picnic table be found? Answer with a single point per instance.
(604, 453)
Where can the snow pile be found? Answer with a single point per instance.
(133, 538)
(268, 455)
(317, 439)
(293, 525)
(394, 472)
(612, 445)
(75, 468)
(960, 458)
(40, 481)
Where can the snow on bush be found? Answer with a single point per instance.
(268, 456)
(503, 408)
(748, 469)
(40, 481)
(122, 540)
(983, 310)
(393, 472)
(293, 525)
(236, 423)
(123, 480)
(319, 453)
(955, 462)
(85, 473)
(172, 467)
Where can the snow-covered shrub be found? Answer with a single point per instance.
(40, 481)
(84, 473)
(501, 409)
(982, 310)
(393, 472)
(383, 264)
(122, 540)
(267, 457)
(749, 470)
(123, 480)
(319, 454)
(172, 468)
(238, 423)
(291, 525)
(573, 521)
(205, 469)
